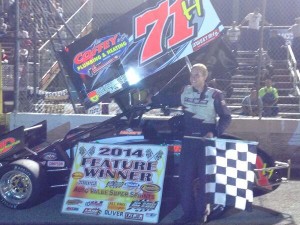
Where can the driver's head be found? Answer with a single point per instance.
(198, 75)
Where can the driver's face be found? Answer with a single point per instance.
(197, 78)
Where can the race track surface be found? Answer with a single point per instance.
(280, 207)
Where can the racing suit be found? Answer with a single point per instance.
(200, 117)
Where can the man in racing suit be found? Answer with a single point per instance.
(201, 105)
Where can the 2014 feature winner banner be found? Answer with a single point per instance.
(120, 182)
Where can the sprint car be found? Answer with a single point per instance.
(30, 166)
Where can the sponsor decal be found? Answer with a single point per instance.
(133, 216)
(69, 208)
(151, 188)
(142, 205)
(7, 144)
(116, 206)
(262, 179)
(92, 183)
(204, 40)
(94, 203)
(55, 163)
(130, 132)
(73, 202)
(131, 185)
(93, 96)
(150, 214)
(100, 54)
(49, 156)
(110, 87)
(92, 211)
(77, 175)
(113, 213)
(114, 184)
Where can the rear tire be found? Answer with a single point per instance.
(21, 184)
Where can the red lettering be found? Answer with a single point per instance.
(90, 54)
(181, 29)
(151, 24)
(164, 20)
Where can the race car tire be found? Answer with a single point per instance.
(21, 183)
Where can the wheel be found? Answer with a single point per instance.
(21, 183)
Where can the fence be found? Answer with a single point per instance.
(43, 87)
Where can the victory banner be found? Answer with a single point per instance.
(137, 45)
(119, 182)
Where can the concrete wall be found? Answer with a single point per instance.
(278, 137)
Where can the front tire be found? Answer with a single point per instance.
(21, 183)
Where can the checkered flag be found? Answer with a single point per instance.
(230, 174)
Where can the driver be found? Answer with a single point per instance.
(201, 105)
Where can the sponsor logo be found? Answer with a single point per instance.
(55, 163)
(92, 211)
(69, 208)
(130, 132)
(7, 144)
(73, 202)
(49, 156)
(116, 206)
(92, 183)
(114, 184)
(93, 96)
(131, 185)
(77, 175)
(134, 216)
(100, 54)
(142, 205)
(94, 203)
(150, 188)
(113, 213)
(150, 214)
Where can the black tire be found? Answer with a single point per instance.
(21, 184)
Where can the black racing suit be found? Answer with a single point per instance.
(200, 117)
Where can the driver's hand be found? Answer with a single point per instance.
(209, 135)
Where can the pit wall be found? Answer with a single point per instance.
(278, 137)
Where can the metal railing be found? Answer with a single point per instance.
(295, 74)
(73, 28)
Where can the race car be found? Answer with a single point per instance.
(30, 166)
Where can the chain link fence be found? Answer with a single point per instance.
(263, 52)
(45, 26)
(37, 31)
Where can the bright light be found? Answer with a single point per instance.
(132, 76)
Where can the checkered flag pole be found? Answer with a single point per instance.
(230, 174)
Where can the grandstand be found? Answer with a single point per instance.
(246, 75)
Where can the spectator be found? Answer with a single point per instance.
(276, 45)
(3, 27)
(295, 29)
(23, 55)
(252, 104)
(269, 96)
(25, 42)
(251, 35)
(233, 35)
(59, 10)
(4, 57)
